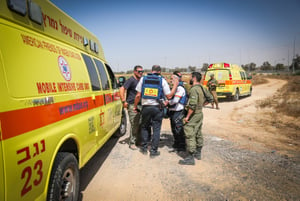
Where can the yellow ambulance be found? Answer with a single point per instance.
(59, 101)
(233, 80)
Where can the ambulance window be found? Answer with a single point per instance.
(112, 77)
(222, 75)
(92, 72)
(35, 12)
(18, 6)
(103, 75)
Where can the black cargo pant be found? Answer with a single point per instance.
(177, 129)
(151, 117)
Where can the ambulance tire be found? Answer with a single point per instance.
(123, 127)
(236, 96)
(64, 180)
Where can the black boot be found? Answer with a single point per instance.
(189, 160)
(197, 154)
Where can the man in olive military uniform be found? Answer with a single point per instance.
(212, 84)
(198, 96)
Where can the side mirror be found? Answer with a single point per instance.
(121, 81)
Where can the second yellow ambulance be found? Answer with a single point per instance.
(233, 80)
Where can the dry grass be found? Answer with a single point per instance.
(287, 100)
(283, 109)
(258, 79)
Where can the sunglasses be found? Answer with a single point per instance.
(140, 71)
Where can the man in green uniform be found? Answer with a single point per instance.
(212, 84)
(198, 96)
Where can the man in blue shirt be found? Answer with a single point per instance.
(128, 102)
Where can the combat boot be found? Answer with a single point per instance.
(189, 160)
(197, 154)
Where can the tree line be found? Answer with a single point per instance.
(266, 66)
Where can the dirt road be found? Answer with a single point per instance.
(242, 160)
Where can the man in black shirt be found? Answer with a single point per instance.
(128, 102)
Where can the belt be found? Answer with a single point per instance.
(175, 111)
(151, 106)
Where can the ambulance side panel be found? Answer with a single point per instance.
(3, 99)
(57, 95)
(2, 174)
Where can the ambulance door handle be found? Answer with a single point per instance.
(94, 99)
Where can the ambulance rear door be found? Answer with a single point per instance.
(222, 76)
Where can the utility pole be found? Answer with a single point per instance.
(294, 56)
(288, 60)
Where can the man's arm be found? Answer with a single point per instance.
(192, 104)
(138, 95)
(179, 93)
(122, 96)
(187, 118)
(217, 83)
(173, 91)
(137, 100)
(122, 93)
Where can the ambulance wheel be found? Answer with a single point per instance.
(236, 96)
(123, 126)
(64, 180)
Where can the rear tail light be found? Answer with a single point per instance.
(226, 65)
(230, 76)
(210, 66)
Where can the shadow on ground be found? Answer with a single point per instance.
(92, 167)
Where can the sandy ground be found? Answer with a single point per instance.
(243, 159)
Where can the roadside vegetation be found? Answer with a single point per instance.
(283, 109)
(287, 100)
(257, 79)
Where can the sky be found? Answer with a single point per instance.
(182, 33)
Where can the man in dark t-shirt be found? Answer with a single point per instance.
(128, 102)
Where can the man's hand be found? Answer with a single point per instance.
(125, 104)
(175, 82)
(205, 103)
(166, 102)
(186, 120)
(135, 109)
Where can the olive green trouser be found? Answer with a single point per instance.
(215, 97)
(193, 133)
(134, 119)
